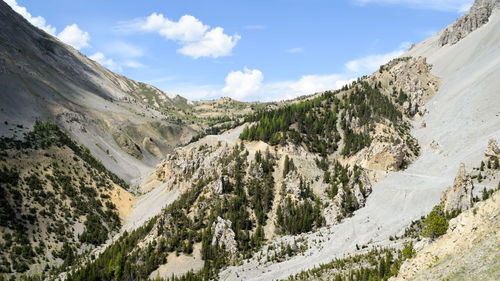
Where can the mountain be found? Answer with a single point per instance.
(129, 126)
(359, 183)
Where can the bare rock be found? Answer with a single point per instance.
(219, 184)
(459, 196)
(478, 15)
(384, 156)
(224, 236)
(361, 188)
(292, 184)
(493, 149)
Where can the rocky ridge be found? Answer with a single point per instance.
(478, 15)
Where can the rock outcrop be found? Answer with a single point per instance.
(387, 151)
(292, 185)
(359, 188)
(459, 196)
(411, 76)
(493, 150)
(468, 250)
(192, 164)
(224, 236)
(478, 15)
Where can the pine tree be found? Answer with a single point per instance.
(435, 224)
(286, 166)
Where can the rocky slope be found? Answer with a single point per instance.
(128, 125)
(319, 178)
(237, 194)
(478, 15)
(43, 79)
(461, 118)
(57, 202)
(469, 249)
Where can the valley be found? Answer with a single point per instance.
(393, 176)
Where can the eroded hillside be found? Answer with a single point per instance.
(57, 202)
(128, 125)
(289, 170)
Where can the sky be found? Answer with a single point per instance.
(247, 50)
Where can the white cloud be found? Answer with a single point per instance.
(74, 36)
(371, 63)
(241, 84)
(314, 83)
(295, 50)
(459, 6)
(196, 39)
(109, 63)
(36, 21)
(214, 43)
(248, 85)
(187, 29)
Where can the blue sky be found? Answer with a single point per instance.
(248, 50)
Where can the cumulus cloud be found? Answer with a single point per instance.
(196, 39)
(187, 29)
(214, 43)
(242, 84)
(74, 36)
(36, 21)
(308, 84)
(249, 84)
(107, 62)
(459, 6)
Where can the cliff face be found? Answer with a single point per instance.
(475, 18)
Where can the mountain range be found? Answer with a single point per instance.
(393, 176)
